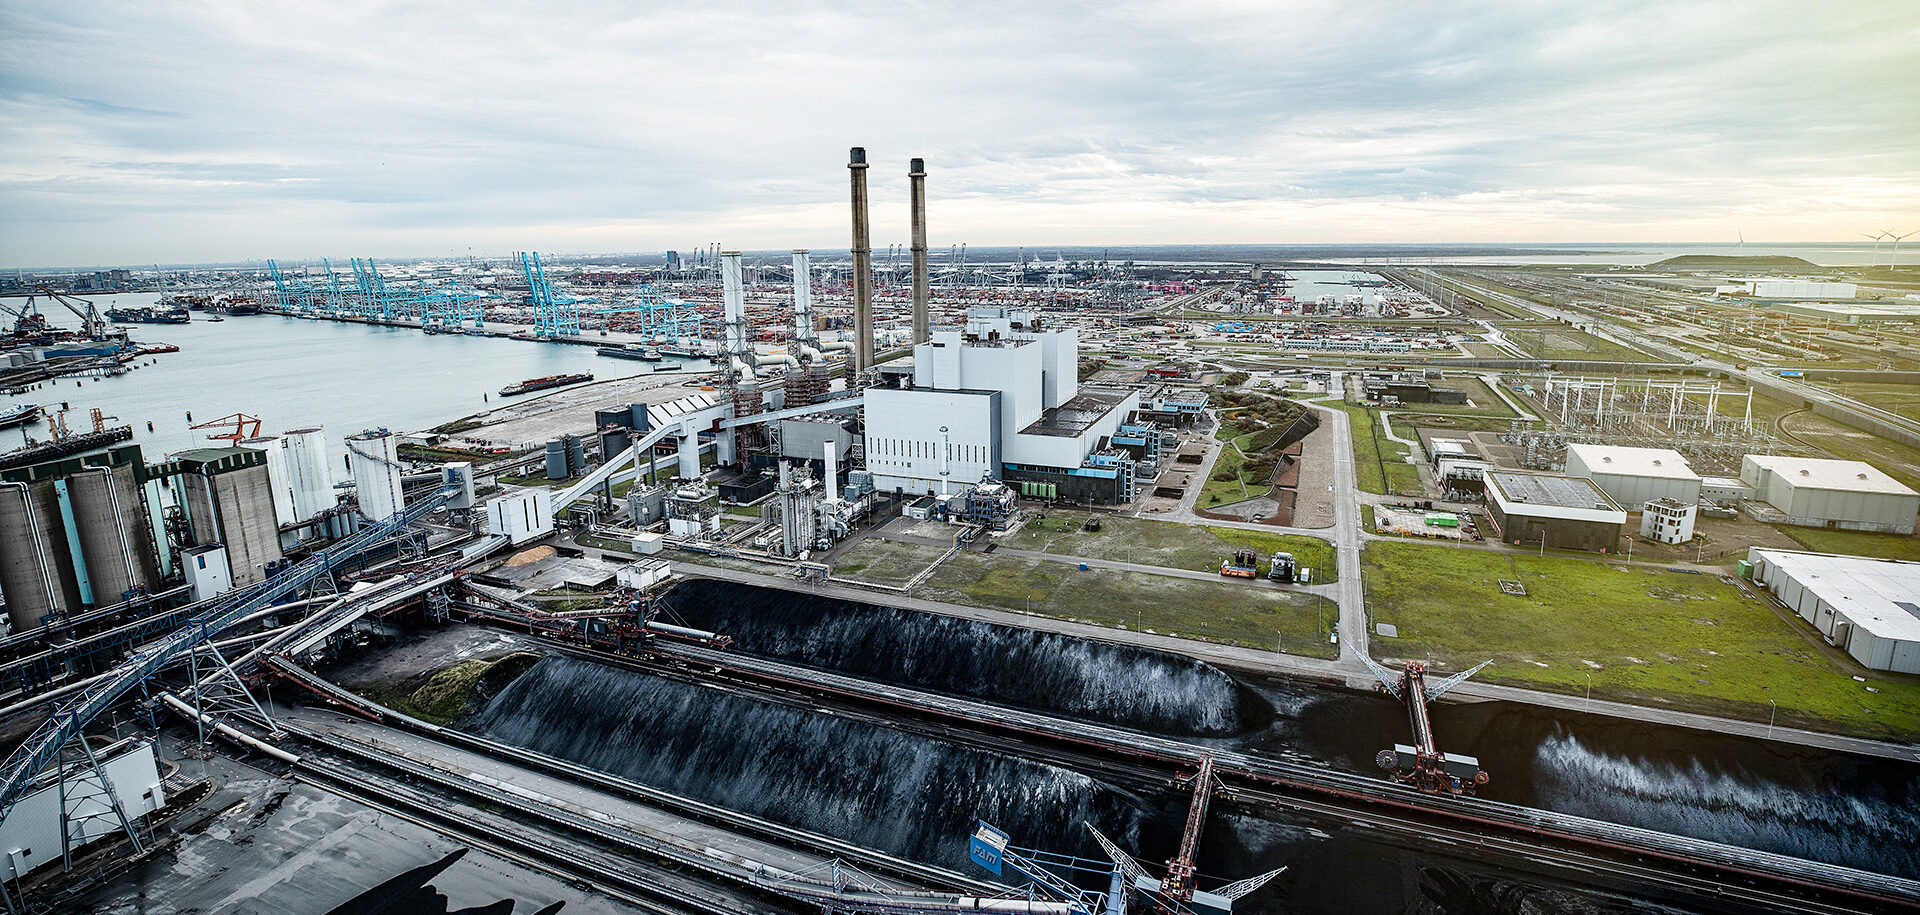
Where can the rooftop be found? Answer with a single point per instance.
(1633, 462)
(1881, 596)
(1079, 414)
(1542, 489)
(1820, 473)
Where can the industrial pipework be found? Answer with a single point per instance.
(862, 263)
(917, 175)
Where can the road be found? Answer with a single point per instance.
(1346, 536)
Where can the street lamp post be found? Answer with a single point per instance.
(1589, 705)
(1770, 716)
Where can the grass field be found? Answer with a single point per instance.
(1379, 463)
(1644, 635)
(1857, 543)
(885, 562)
(1193, 547)
(1230, 612)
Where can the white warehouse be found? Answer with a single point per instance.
(1635, 476)
(1869, 608)
(1852, 495)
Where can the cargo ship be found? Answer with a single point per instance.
(631, 351)
(175, 315)
(544, 382)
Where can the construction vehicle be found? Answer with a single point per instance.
(1243, 564)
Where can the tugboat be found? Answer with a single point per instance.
(544, 382)
(631, 351)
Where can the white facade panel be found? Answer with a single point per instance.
(907, 451)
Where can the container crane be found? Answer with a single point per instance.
(1423, 765)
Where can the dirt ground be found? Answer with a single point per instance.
(421, 653)
(1313, 504)
(1713, 538)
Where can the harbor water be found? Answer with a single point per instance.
(297, 373)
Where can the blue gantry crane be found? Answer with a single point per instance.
(554, 315)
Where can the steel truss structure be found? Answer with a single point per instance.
(1690, 416)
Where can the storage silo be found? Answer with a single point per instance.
(29, 568)
(112, 533)
(375, 461)
(614, 441)
(228, 500)
(557, 459)
(309, 473)
(276, 475)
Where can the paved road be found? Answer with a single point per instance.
(1346, 535)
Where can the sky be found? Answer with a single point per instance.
(139, 132)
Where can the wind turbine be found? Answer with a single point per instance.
(1876, 247)
(1897, 239)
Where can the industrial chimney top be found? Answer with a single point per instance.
(857, 157)
(917, 168)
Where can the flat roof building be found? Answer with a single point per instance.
(1869, 608)
(1851, 495)
(1635, 476)
(1566, 512)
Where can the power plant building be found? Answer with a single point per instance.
(1851, 495)
(999, 398)
(1635, 476)
(1567, 512)
(1869, 608)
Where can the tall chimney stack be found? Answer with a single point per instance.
(862, 264)
(917, 174)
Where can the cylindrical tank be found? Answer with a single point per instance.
(106, 512)
(576, 455)
(557, 459)
(29, 576)
(614, 441)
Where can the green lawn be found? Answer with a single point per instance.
(1379, 463)
(1644, 635)
(1231, 612)
(1857, 543)
(1166, 544)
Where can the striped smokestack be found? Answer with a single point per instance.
(917, 174)
(862, 264)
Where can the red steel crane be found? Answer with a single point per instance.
(243, 427)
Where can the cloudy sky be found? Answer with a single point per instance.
(138, 132)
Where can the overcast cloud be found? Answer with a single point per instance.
(143, 132)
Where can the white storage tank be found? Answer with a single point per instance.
(309, 472)
(377, 473)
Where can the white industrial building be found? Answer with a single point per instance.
(999, 398)
(1869, 608)
(1635, 476)
(1851, 495)
(33, 834)
(1668, 520)
(1803, 289)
